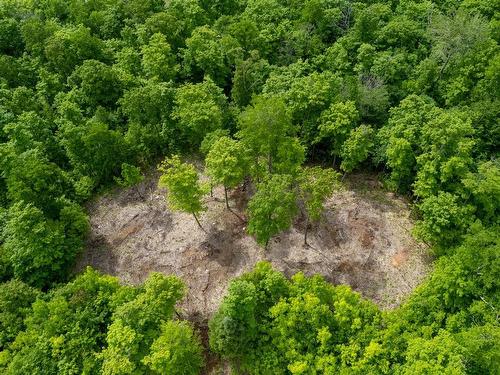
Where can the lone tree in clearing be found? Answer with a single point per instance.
(184, 189)
(131, 176)
(315, 186)
(272, 208)
(226, 163)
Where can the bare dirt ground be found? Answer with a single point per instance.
(363, 240)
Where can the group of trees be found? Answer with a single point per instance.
(94, 92)
(266, 152)
(94, 325)
(449, 325)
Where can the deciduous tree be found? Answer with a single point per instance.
(336, 123)
(316, 185)
(176, 351)
(357, 147)
(227, 163)
(199, 109)
(272, 208)
(265, 127)
(185, 192)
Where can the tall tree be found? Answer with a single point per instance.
(199, 109)
(265, 127)
(137, 323)
(272, 208)
(16, 298)
(66, 327)
(41, 250)
(176, 351)
(357, 147)
(316, 185)
(158, 61)
(227, 163)
(336, 123)
(185, 192)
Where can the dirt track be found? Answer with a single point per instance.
(363, 240)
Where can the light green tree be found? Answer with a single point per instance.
(439, 355)
(316, 185)
(41, 250)
(265, 127)
(136, 324)
(211, 54)
(185, 192)
(176, 351)
(207, 144)
(211, 138)
(158, 60)
(336, 123)
(226, 163)
(356, 147)
(130, 176)
(272, 209)
(484, 190)
(199, 110)
(444, 219)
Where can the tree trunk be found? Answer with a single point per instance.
(305, 230)
(238, 216)
(225, 195)
(334, 160)
(198, 222)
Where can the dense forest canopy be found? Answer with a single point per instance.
(94, 93)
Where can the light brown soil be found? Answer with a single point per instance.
(363, 240)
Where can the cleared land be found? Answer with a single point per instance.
(363, 240)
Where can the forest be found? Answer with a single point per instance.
(283, 98)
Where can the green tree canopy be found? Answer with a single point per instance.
(199, 109)
(176, 351)
(135, 327)
(265, 129)
(272, 208)
(185, 192)
(41, 250)
(316, 185)
(227, 163)
(158, 61)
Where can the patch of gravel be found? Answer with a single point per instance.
(364, 240)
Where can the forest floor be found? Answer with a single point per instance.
(364, 240)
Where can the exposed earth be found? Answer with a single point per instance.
(363, 240)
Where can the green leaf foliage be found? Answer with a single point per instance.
(176, 351)
(357, 147)
(272, 209)
(316, 185)
(41, 250)
(131, 176)
(136, 327)
(264, 89)
(226, 162)
(199, 109)
(185, 192)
